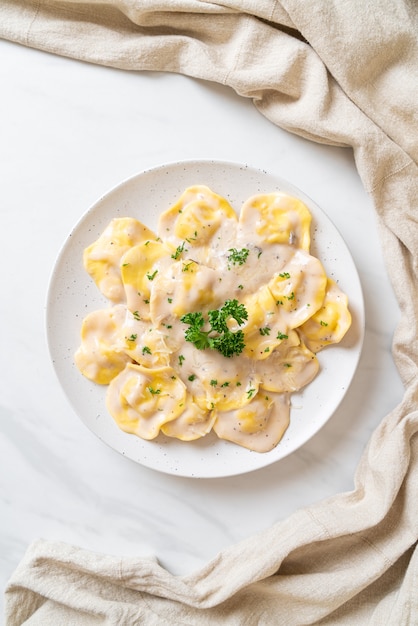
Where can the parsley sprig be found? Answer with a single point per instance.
(219, 337)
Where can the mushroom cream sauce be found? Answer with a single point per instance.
(203, 258)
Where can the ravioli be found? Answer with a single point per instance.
(142, 399)
(330, 323)
(139, 266)
(214, 321)
(102, 258)
(101, 356)
(277, 218)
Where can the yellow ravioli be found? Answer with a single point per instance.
(143, 343)
(141, 400)
(299, 288)
(289, 368)
(213, 380)
(277, 218)
(192, 424)
(140, 265)
(194, 220)
(186, 286)
(330, 323)
(258, 426)
(233, 393)
(102, 258)
(101, 356)
(265, 328)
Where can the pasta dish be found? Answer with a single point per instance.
(213, 321)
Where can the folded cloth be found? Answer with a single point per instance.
(342, 73)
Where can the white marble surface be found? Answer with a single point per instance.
(69, 132)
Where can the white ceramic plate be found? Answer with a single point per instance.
(72, 294)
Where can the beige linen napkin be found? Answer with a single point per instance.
(342, 73)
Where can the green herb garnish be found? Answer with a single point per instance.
(218, 337)
(238, 257)
(152, 276)
(264, 331)
(178, 251)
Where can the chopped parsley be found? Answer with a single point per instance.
(281, 336)
(154, 392)
(178, 252)
(152, 276)
(146, 350)
(238, 257)
(264, 331)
